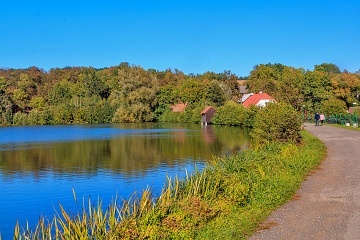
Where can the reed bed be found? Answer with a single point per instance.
(228, 199)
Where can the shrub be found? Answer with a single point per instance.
(133, 114)
(278, 122)
(192, 114)
(168, 116)
(333, 106)
(250, 116)
(20, 118)
(231, 114)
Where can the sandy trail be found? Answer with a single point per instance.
(328, 202)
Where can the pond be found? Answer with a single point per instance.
(42, 166)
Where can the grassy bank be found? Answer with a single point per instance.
(227, 200)
(272, 175)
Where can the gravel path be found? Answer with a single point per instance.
(327, 205)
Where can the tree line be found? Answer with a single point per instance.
(129, 93)
(325, 89)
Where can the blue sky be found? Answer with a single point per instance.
(191, 36)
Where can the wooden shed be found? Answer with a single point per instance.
(207, 114)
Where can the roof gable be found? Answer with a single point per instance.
(254, 99)
(180, 107)
(207, 109)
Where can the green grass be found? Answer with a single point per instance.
(273, 174)
(227, 200)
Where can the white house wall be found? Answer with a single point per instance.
(262, 103)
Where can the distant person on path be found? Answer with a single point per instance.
(322, 118)
(317, 118)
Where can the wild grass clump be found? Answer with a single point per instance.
(227, 200)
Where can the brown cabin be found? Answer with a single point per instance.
(207, 114)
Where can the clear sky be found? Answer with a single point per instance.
(192, 36)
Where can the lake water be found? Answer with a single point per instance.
(40, 166)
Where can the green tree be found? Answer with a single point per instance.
(20, 118)
(6, 106)
(327, 68)
(214, 95)
(333, 106)
(63, 114)
(20, 97)
(3, 85)
(291, 83)
(278, 122)
(60, 93)
(264, 78)
(135, 95)
(317, 88)
(91, 84)
(281, 82)
(190, 91)
(37, 102)
(165, 97)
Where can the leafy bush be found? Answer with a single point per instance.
(132, 114)
(168, 116)
(250, 116)
(278, 122)
(192, 114)
(334, 106)
(20, 119)
(231, 114)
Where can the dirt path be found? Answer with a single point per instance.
(328, 202)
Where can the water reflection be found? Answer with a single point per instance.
(40, 165)
(126, 153)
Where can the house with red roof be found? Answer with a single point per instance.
(258, 99)
(180, 107)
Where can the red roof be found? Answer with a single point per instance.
(256, 98)
(180, 107)
(207, 109)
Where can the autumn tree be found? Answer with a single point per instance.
(91, 85)
(6, 103)
(264, 78)
(281, 82)
(329, 68)
(346, 87)
(333, 106)
(190, 91)
(60, 93)
(135, 95)
(214, 94)
(317, 88)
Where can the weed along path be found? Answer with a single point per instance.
(327, 206)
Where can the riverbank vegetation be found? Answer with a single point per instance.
(227, 200)
(125, 93)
